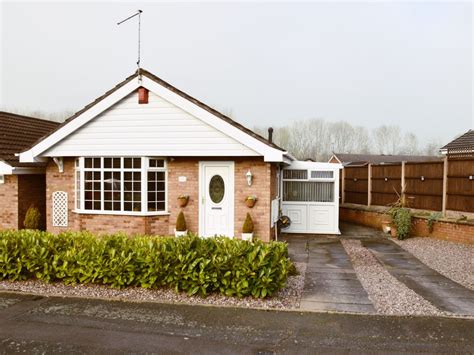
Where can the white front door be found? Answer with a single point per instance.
(216, 211)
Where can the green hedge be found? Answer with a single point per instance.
(191, 264)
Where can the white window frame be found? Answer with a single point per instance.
(79, 164)
(2, 179)
(309, 179)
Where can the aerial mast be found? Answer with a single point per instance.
(139, 14)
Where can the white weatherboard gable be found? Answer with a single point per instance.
(234, 141)
(158, 128)
(5, 169)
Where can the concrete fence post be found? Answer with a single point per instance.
(369, 185)
(402, 190)
(343, 186)
(445, 185)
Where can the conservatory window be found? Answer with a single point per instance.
(121, 184)
(297, 187)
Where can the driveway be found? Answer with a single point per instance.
(331, 283)
(35, 324)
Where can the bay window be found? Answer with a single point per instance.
(121, 185)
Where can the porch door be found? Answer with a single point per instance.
(216, 212)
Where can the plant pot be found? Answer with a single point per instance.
(183, 201)
(393, 231)
(250, 203)
(386, 226)
(247, 236)
(180, 233)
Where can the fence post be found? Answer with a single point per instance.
(369, 185)
(402, 190)
(343, 186)
(445, 185)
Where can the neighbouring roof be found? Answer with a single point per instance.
(17, 133)
(171, 88)
(462, 144)
(362, 159)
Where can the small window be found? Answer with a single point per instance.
(293, 174)
(316, 174)
(2, 179)
(216, 189)
(156, 163)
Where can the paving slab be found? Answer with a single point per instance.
(441, 291)
(331, 283)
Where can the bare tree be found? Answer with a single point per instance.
(318, 139)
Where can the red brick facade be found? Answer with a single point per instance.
(9, 203)
(446, 230)
(263, 186)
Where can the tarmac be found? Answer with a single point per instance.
(35, 324)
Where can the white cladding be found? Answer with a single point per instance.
(158, 128)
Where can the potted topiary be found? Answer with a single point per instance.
(183, 200)
(247, 228)
(250, 201)
(32, 218)
(181, 228)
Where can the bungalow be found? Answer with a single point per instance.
(122, 162)
(461, 147)
(21, 184)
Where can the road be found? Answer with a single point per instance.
(35, 324)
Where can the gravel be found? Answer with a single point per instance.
(287, 298)
(388, 295)
(453, 260)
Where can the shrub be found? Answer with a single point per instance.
(401, 217)
(32, 218)
(248, 224)
(181, 223)
(191, 264)
(432, 218)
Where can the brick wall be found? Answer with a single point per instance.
(9, 203)
(56, 181)
(164, 225)
(261, 187)
(188, 167)
(446, 230)
(32, 192)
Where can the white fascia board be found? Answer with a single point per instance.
(31, 156)
(270, 154)
(314, 165)
(5, 169)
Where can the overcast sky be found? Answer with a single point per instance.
(268, 63)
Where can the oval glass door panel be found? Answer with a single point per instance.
(216, 188)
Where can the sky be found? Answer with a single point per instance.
(266, 64)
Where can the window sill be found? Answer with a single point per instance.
(121, 213)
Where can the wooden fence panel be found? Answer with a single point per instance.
(461, 185)
(356, 185)
(424, 185)
(386, 184)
